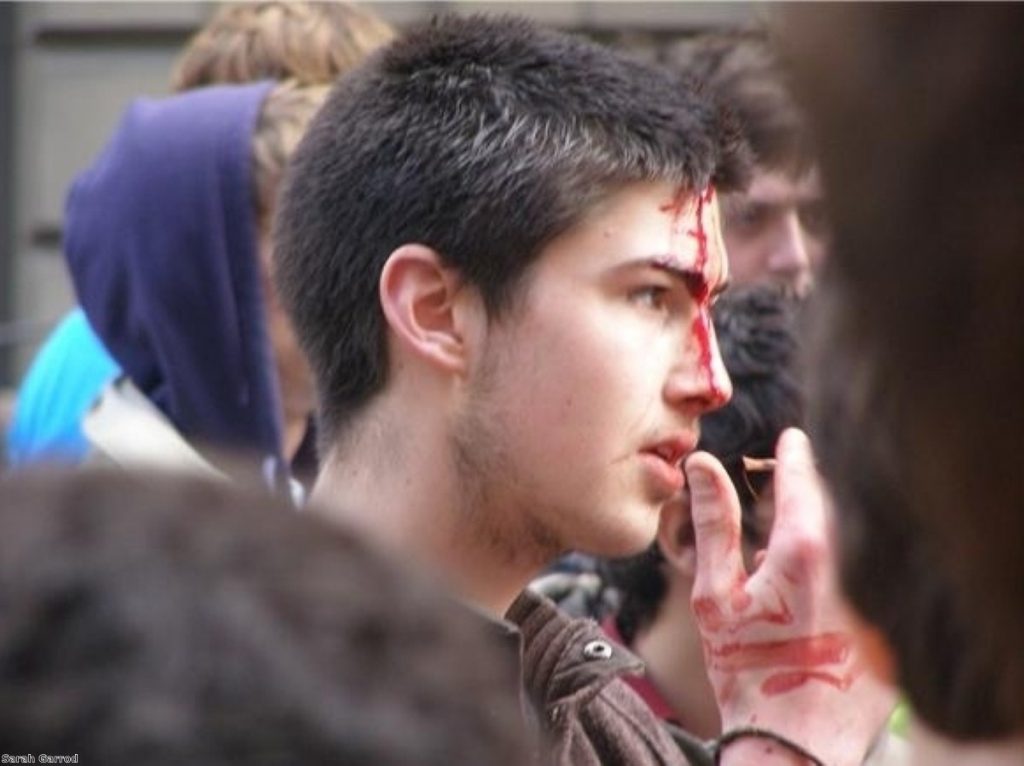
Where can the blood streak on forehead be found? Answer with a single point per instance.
(705, 224)
(702, 328)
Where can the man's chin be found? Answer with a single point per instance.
(630, 538)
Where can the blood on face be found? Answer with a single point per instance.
(699, 286)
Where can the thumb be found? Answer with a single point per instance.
(715, 510)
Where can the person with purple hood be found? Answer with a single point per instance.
(168, 247)
(310, 43)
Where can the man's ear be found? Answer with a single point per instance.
(424, 305)
(675, 537)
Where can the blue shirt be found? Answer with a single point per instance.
(66, 376)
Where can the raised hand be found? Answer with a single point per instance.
(778, 641)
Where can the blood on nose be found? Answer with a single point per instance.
(703, 332)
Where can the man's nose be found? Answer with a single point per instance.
(719, 382)
(699, 382)
(790, 259)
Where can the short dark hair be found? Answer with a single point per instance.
(484, 139)
(913, 407)
(742, 67)
(160, 620)
(757, 329)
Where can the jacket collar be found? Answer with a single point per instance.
(565, 659)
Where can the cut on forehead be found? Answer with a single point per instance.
(693, 250)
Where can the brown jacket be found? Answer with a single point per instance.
(586, 713)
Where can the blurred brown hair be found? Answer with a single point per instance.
(918, 362)
(308, 42)
(742, 68)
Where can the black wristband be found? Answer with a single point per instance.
(754, 732)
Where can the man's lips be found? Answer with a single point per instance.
(672, 450)
(665, 459)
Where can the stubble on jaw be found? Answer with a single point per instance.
(491, 487)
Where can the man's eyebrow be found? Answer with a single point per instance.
(695, 281)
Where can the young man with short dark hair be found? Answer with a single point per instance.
(499, 246)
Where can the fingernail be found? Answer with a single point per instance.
(697, 479)
(793, 438)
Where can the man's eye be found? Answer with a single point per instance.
(814, 218)
(745, 216)
(651, 296)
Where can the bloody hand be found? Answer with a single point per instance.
(777, 642)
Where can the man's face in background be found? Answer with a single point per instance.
(775, 230)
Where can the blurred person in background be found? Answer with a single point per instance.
(168, 244)
(309, 43)
(775, 229)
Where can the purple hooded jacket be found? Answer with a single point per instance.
(161, 241)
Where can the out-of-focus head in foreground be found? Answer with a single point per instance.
(917, 363)
(149, 619)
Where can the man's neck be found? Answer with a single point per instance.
(395, 484)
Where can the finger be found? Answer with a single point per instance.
(759, 557)
(799, 531)
(716, 515)
(799, 498)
